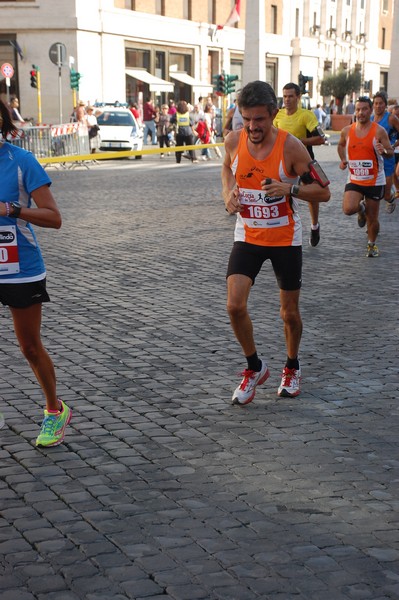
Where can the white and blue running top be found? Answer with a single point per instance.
(21, 260)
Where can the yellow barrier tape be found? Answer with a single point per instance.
(122, 153)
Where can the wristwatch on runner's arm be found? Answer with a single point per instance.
(294, 190)
(15, 210)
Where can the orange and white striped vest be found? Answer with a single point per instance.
(366, 165)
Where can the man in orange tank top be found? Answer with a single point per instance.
(361, 148)
(265, 171)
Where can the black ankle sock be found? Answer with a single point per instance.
(254, 363)
(292, 363)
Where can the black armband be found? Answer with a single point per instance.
(318, 132)
(316, 174)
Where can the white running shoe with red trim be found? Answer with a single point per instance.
(290, 381)
(245, 392)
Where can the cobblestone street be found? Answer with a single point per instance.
(162, 489)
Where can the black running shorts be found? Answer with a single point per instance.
(374, 192)
(22, 295)
(247, 259)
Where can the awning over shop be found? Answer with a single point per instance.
(200, 86)
(156, 84)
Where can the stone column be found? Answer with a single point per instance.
(393, 79)
(255, 47)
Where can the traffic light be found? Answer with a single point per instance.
(215, 82)
(218, 82)
(302, 81)
(74, 78)
(230, 85)
(33, 76)
(221, 90)
(223, 84)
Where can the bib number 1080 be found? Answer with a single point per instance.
(263, 212)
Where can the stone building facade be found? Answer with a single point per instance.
(126, 50)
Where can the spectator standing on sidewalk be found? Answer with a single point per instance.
(149, 115)
(184, 135)
(163, 128)
(233, 120)
(361, 148)
(93, 129)
(320, 114)
(134, 109)
(350, 108)
(268, 227)
(80, 114)
(15, 114)
(202, 130)
(304, 125)
(22, 273)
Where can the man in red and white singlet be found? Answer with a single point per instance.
(361, 148)
(265, 171)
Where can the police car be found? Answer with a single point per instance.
(119, 129)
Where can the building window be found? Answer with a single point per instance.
(327, 68)
(236, 68)
(187, 9)
(271, 69)
(383, 80)
(362, 4)
(160, 70)
(273, 20)
(297, 22)
(385, 6)
(212, 11)
(160, 7)
(383, 36)
(137, 59)
(180, 62)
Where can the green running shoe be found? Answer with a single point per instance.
(361, 215)
(372, 251)
(53, 427)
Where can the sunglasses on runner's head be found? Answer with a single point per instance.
(365, 99)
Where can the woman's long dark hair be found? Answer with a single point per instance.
(6, 124)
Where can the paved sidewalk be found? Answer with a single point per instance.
(163, 490)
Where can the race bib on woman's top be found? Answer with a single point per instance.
(262, 210)
(9, 261)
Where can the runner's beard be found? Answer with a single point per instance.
(255, 131)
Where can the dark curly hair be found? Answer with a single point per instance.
(6, 124)
(257, 93)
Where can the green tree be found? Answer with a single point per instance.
(340, 84)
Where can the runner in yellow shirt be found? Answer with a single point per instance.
(304, 125)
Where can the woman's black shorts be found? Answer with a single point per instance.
(22, 295)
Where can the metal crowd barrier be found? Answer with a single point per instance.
(46, 141)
